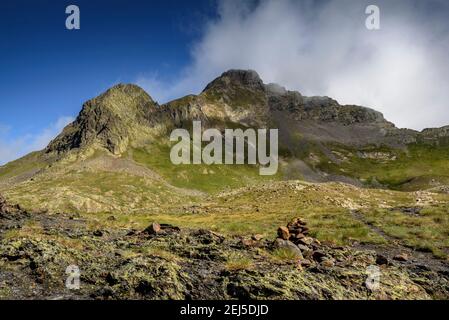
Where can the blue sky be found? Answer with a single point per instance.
(47, 71)
(172, 48)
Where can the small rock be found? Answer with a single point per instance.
(403, 257)
(307, 241)
(98, 233)
(33, 265)
(297, 222)
(300, 236)
(306, 263)
(248, 242)
(257, 237)
(112, 218)
(132, 232)
(303, 248)
(318, 255)
(293, 230)
(381, 259)
(327, 263)
(283, 233)
(111, 279)
(105, 292)
(169, 228)
(154, 228)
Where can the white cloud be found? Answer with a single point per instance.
(11, 149)
(323, 48)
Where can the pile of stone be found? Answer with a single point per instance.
(295, 230)
(295, 238)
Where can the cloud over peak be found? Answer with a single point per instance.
(324, 48)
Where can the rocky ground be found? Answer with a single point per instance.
(168, 262)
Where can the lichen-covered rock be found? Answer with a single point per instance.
(191, 264)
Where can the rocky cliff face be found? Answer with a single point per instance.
(109, 120)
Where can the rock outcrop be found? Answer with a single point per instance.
(111, 121)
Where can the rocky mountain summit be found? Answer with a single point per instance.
(125, 114)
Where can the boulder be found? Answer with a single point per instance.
(288, 245)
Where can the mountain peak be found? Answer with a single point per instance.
(249, 79)
(124, 92)
(108, 120)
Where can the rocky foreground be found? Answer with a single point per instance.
(167, 262)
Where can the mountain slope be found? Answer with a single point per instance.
(91, 195)
(123, 134)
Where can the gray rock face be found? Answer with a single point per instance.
(435, 135)
(324, 109)
(107, 120)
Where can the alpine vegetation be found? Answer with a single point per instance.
(235, 141)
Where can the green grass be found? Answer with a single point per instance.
(284, 255)
(207, 178)
(30, 162)
(417, 168)
(427, 231)
(237, 262)
(100, 191)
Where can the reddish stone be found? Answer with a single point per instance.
(283, 233)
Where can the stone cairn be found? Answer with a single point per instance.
(295, 230)
(295, 238)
